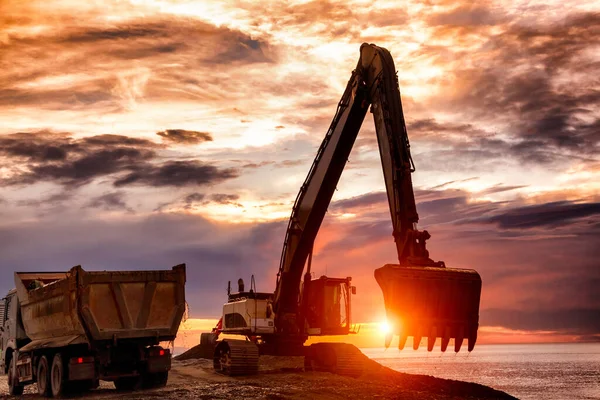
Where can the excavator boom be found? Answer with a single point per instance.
(436, 291)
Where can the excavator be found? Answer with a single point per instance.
(423, 298)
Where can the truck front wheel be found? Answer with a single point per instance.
(43, 378)
(57, 376)
(14, 389)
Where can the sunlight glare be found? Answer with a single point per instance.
(385, 328)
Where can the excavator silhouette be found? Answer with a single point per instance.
(423, 298)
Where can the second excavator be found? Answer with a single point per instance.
(423, 298)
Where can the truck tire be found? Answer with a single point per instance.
(129, 383)
(80, 387)
(57, 376)
(156, 380)
(43, 378)
(14, 389)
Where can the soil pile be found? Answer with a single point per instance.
(284, 378)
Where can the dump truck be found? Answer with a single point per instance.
(66, 331)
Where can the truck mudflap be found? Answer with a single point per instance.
(432, 302)
(82, 369)
(158, 360)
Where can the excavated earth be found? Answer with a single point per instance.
(284, 378)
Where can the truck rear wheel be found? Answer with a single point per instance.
(43, 378)
(157, 380)
(79, 387)
(14, 389)
(57, 376)
(129, 383)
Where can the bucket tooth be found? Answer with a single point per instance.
(417, 340)
(388, 340)
(431, 339)
(458, 340)
(446, 339)
(402, 341)
(472, 340)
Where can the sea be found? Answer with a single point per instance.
(527, 371)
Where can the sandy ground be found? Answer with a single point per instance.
(283, 378)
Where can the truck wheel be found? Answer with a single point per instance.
(14, 389)
(157, 380)
(79, 387)
(129, 383)
(43, 378)
(57, 376)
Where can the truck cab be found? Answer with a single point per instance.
(12, 333)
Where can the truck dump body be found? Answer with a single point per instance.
(80, 306)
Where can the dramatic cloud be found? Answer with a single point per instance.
(59, 158)
(183, 136)
(529, 77)
(501, 109)
(542, 215)
(96, 49)
(177, 173)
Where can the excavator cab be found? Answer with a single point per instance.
(431, 302)
(326, 305)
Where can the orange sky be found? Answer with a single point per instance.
(142, 134)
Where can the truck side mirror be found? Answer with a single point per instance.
(353, 289)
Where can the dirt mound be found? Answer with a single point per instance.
(199, 351)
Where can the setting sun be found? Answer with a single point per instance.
(385, 328)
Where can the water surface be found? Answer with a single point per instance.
(527, 371)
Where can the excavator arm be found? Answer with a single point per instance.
(373, 83)
(313, 200)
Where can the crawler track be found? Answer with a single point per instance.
(338, 358)
(236, 357)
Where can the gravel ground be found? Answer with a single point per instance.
(283, 378)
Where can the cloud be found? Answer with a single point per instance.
(543, 215)
(506, 94)
(465, 16)
(177, 174)
(223, 198)
(579, 321)
(95, 68)
(82, 170)
(117, 140)
(53, 200)
(41, 146)
(138, 242)
(364, 200)
(184, 136)
(528, 78)
(114, 201)
(59, 158)
(201, 199)
(194, 197)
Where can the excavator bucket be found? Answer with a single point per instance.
(432, 302)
